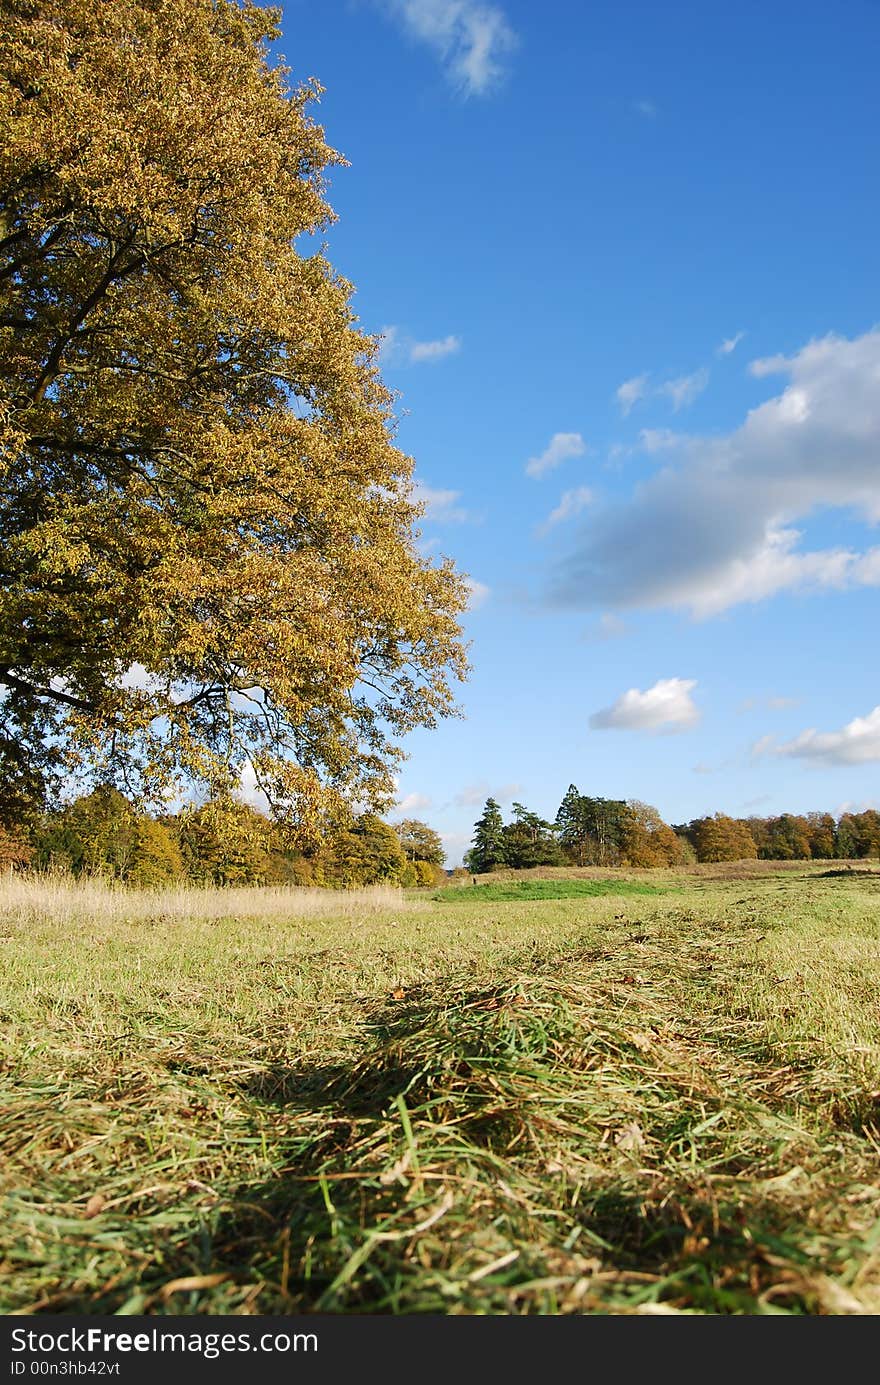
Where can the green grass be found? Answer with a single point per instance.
(513, 890)
(271, 1102)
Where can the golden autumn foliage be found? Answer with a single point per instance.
(208, 536)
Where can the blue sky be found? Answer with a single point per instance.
(625, 259)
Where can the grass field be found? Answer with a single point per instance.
(608, 1102)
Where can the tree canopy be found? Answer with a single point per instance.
(208, 535)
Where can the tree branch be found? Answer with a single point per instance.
(54, 694)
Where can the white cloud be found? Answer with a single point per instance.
(479, 593)
(715, 526)
(685, 389)
(857, 743)
(399, 349)
(571, 503)
(682, 391)
(560, 447)
(729, 344)
(434, 350)
(772, 704)
(667, 703)
(630, 392)
(852, 805)
(137, 679)
(440, 506)
(475, 795)
(658, 439)
(608, 627)
(390, 349)
(646, 108)
(413, 803)
(472, 40)
(249, 791)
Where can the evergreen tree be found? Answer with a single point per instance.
(530, 841)
(572, 826)
(488, 844)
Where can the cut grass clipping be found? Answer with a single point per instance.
(562, 1107)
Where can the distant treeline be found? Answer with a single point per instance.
(229, 843)
(224, 843)
(591, 831)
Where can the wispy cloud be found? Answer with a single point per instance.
(658, 439)
(475, 795)
(560, 447)
(856, 743)
(607, 627)
(716, 526)
(413, 803)
(479, 593)
(685, 389)
(770, 704)
(570, 504)
(434, 350)
(440, 506)
(630, 392)
(667, 704)
(729, 344)
(646, 108)
(398, 348)
(681, 391)
(473, 41)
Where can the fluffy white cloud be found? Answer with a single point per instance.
(685, 389)
(730, 344)
(857, 743)
(571, 503)
(440, 506)
(434, 350)
(667, 703)
(715, 526)
(560, 447)
(473, 40)
(630, 392)
(399, 349)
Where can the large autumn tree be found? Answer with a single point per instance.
(209, 555)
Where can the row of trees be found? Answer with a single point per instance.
(222, 843)
(608, 832)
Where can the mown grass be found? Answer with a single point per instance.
(513, 890)
(597, 1104)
